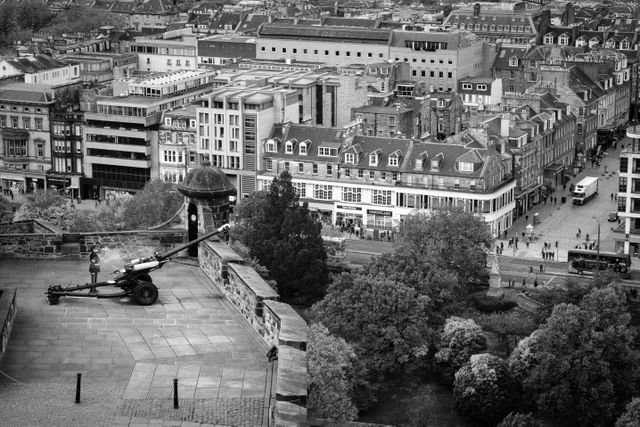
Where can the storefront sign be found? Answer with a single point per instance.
(350, 208)
(376, 212)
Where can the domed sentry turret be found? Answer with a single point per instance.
(207, 190)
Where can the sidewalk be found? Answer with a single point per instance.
(559, 222)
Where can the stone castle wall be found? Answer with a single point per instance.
(277, 323)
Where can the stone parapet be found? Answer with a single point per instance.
(284, 326)
(8, 311)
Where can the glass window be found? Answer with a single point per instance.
(322, 192)
(381, 197)
(352, 195)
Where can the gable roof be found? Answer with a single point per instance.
(36, 63)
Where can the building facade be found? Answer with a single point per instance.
(25, 131)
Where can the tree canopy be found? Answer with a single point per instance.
(152, 205)
(384, 321)
(484, 389)
(460, 339)
(455, 240)
(330, 363)
(281, 234)
(631, 415)
(580, 366)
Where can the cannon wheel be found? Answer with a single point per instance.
(145, 293)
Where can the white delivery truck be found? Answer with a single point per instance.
(585, 190)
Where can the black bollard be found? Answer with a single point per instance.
(175, 394)
(78, 381)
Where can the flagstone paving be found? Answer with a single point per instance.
(128, 354)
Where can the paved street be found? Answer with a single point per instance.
(128, 355)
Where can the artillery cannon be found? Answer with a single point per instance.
(133, 279)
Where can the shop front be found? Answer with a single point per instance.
(348, 216)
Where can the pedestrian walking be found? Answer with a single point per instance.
(11, 194)
(541, 268)
(579, 232)
(611, 196)
(527, 244)
(556, 244)
(501, 245)
(524, 284)
(587, 237)
(526, 218)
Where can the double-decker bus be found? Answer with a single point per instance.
(584, 261)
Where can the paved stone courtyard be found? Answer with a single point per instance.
(128, 354)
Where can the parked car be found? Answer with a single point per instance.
(613, 217)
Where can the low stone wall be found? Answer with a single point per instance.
(8, 312)
(276, 322)
(38, 239)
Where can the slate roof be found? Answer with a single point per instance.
(384, 147)
(449, 155)
(156, 7)
(348, 34)
(505, 53)
(542, 53)
(251, 23)
(36, 63)
(314, 136)
(226, 19)
(26, 93)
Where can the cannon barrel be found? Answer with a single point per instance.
(174, 251)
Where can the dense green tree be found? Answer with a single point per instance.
(384, 321)
(581, 365)
(631, 416)
(515, 419)
(34, 15)
(509, 327)
(83, 19)
(484, 389)
(330, 363)
(156, 203)
(49, 206)
(281, 234)
(456, 240)
(460, 339)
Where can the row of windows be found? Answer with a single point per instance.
(381, 197)
(14, 122)
(16, 108)
(493, 27)
(317, 52)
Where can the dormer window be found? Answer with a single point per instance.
(624, 44)
(564, 40)
(373, 159)
(393, 161)
(441, 103)
(270, 146)
(167, 121)
(513, 61)
(419, 164)
(548, 39)
(288, 147)
(303, 149)
(466, 86)
(327, 151)
(350, 158)
(465, 167)
(435, 165)
(481, 87)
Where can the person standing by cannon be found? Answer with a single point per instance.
(94, 268)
